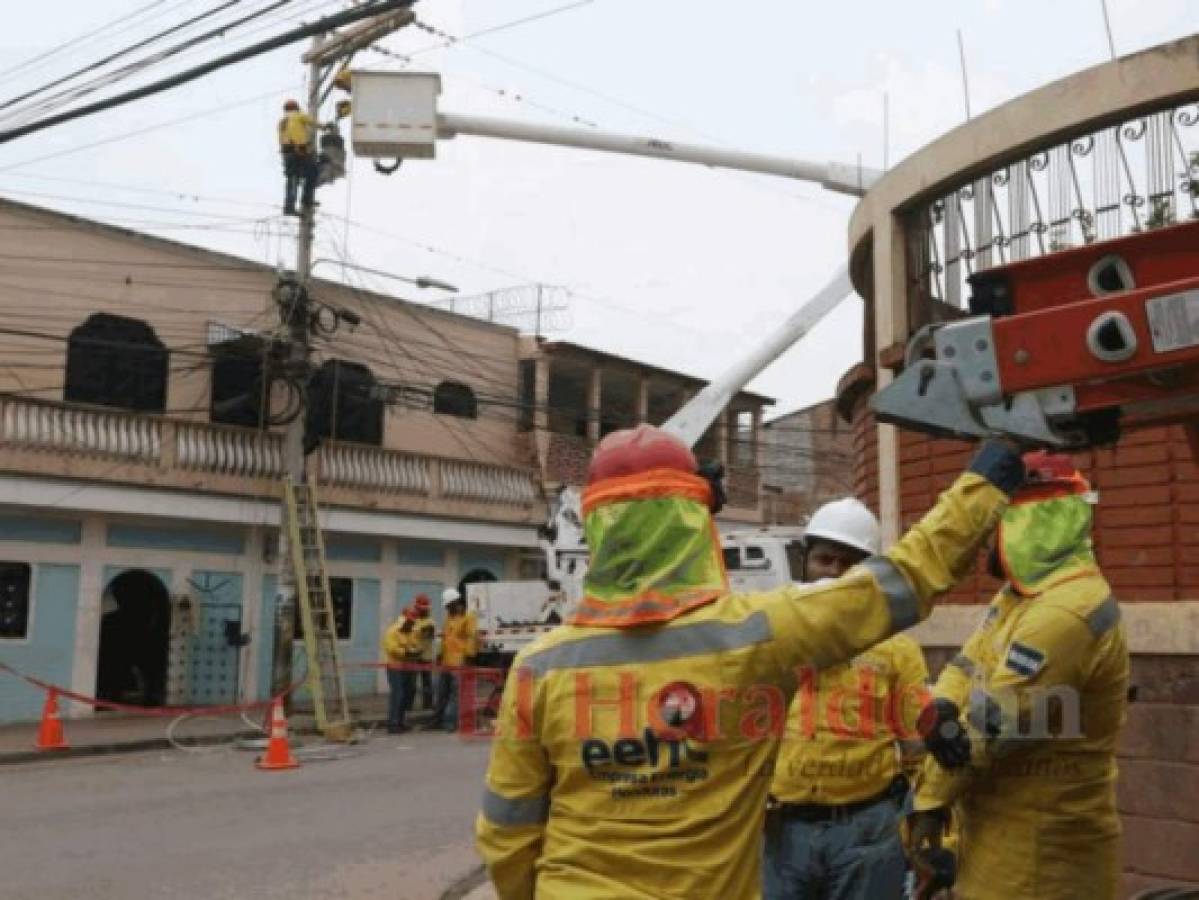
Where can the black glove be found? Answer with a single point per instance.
(944, 736)
(714, 473)
(935, 869)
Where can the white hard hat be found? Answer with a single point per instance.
(449, 595)
(846, 521)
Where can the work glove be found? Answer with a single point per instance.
(944, 735)
(935, 870)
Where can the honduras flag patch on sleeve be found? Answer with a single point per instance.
(1024, 660)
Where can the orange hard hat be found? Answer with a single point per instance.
(1048, 474)
(291, 106)
(634, 450)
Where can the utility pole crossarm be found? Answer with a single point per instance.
(838, 177)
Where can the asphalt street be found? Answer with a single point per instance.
(394, 820)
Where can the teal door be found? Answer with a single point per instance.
(215, 652)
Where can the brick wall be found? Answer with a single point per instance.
(1147, 540)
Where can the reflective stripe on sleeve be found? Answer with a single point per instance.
(1104, 617)
(648, 646)
(901, 599)
(502, 811)
(963, 662)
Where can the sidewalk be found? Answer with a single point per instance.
(117, 733)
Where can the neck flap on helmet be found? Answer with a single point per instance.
(655, 551)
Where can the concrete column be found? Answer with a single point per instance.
(87, 612)
(595, 395)
(755, 437)
(642, 399)
(890, 327)
(722, 437)
(541, 394)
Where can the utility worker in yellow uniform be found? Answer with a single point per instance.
(1027, 715)
(459, 646)
(300, 167)
(423, 632)
(635, 742)
(832, 822)
(399, 648)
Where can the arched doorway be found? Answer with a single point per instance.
(135, 625)
(474, 576)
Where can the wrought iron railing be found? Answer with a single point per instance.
(1137, 175)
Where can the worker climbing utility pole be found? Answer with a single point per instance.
(292, 295)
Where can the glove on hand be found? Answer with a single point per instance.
(944, 736)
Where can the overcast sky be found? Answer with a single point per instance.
(680, 266)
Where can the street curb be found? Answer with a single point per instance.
(465, 884)
(145, 744)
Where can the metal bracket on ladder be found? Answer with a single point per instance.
(325, 683)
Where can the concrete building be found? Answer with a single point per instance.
(573, 395)
(142, 403)
(806, 461)
(1103, 153)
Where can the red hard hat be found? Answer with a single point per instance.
(291, 106)
(421, 602)
(1044, 467)
(634, 450)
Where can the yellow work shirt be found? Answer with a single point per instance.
(422, 638)
(295, 130)
(397, 644)
(852, 727)
(1042, 685)
(459, 639)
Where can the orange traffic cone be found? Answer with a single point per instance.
(278, 751)
(49, 733)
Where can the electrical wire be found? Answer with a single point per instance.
(290, 37)
(113, 57)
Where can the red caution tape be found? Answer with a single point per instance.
(153, 711)
(425, 667)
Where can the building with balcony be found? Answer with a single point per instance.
(143, 397)
(571, 396)
(1108, 152)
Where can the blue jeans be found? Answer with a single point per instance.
(857, 857)
(400, 684)
(445, 713)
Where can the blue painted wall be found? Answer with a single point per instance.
(347, 548)
(177, 537)
(421, 553)
(34, 530)
(262, 639)
(49, 651)
(475, 558)
(363, 645)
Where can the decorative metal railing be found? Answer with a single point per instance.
(1140, 174)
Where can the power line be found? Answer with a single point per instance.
(54, 51)
(290, 37)
(113, 57)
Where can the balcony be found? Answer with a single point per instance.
(94, 444)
